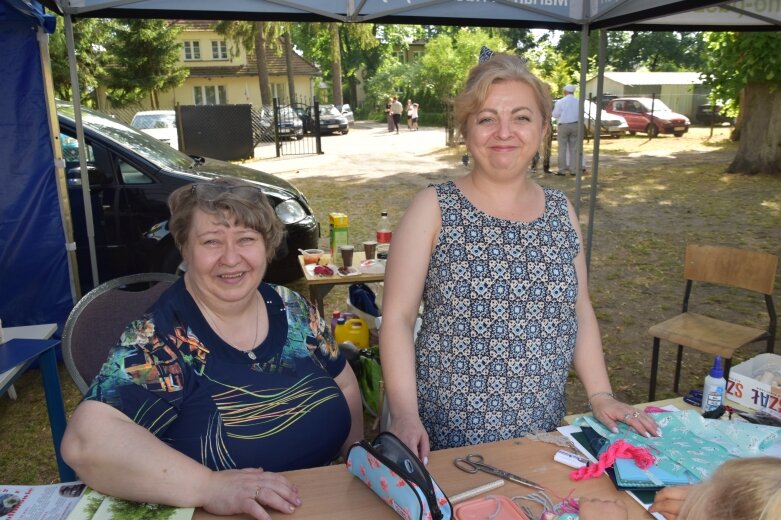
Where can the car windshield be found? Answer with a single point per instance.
(658, 105)
(151, 149)
(148, 121)
(329, 110)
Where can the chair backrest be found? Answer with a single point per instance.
(750, 270)
(98, 319)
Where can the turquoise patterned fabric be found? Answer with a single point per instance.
(691, 442)
(499, 325)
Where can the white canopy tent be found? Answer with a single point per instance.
(580, 15)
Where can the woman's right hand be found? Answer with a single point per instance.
(410, 430)
(232, 492)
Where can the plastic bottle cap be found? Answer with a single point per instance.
(716, 370)
(336, 314)
(341, 321)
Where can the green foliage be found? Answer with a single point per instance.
(90, 37)
(145, 56)
(734, 60)
(653, 51)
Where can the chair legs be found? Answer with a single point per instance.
(654, 367)
(678, 368)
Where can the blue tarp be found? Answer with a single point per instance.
(34, 279)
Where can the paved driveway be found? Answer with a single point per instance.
(367, 150)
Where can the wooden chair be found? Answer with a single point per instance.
(98, 319)
(742, 269)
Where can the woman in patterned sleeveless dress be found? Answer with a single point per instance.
(497, 261)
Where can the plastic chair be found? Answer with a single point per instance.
(742, 269)
(98, 319)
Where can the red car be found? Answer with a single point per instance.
(649, 116)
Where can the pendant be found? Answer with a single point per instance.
(252, 355)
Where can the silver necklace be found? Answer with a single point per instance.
(213, 323)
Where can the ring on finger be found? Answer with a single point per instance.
(636, 414)
(627, 416)
(257, 493)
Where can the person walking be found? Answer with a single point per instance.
(565, 111)
(388, 114)
(409, 113)
(414, 116)
(396, 110)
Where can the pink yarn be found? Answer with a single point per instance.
(620, 449)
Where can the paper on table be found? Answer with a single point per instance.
(52, 502)
(97, 506)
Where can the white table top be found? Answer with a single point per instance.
(43, 331)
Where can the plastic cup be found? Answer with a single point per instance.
(347, 255)
(369, 249)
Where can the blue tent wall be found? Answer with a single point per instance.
(34, 279)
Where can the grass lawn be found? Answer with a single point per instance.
(653, 198)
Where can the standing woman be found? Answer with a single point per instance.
(225, 381)
(498, 264)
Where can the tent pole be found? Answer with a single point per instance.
(59, 165)
(592, 205)
(76, 94)
(577, 161)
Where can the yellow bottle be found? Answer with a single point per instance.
(353, 330)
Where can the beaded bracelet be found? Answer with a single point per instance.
(592, 396)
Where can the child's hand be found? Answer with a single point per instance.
(596, 509)
(669, 500)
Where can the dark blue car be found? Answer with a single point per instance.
(131, 175)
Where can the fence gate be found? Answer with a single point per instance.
(289, 128)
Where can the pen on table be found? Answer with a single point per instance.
(469, 493)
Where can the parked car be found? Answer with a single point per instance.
(160, 124)
(649, 116)
(712, 115)
(289, 125)
(611, 125)
(347, 112)
(131, 175)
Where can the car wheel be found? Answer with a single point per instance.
(344, 132)
(616, 135)
(678, 134)
(632, 132)
(652, 131)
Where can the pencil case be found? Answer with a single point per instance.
(399, 478)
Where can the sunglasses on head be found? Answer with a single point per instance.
(210, 192)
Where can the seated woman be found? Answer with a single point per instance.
(224, 381)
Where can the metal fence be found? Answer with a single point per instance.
(218, 130)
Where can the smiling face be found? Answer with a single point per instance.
(506, 131)
(225, 262)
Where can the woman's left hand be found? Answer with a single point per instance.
(250, 491)
(610, 411)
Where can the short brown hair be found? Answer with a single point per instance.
(227, 198)
(501, 67)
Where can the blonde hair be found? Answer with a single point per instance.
(501, 67)
(745, 489)
(228, 198)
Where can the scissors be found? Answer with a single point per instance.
(473, 463)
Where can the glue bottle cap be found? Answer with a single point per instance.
(716, 370)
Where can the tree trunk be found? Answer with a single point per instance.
(291, 82)
(336, 63)
(760, 131)
(260, 54)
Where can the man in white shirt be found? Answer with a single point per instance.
(396, 110)
(565, 111)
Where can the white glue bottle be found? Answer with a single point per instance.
(714, 388)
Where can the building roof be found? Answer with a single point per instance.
(655, 78)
